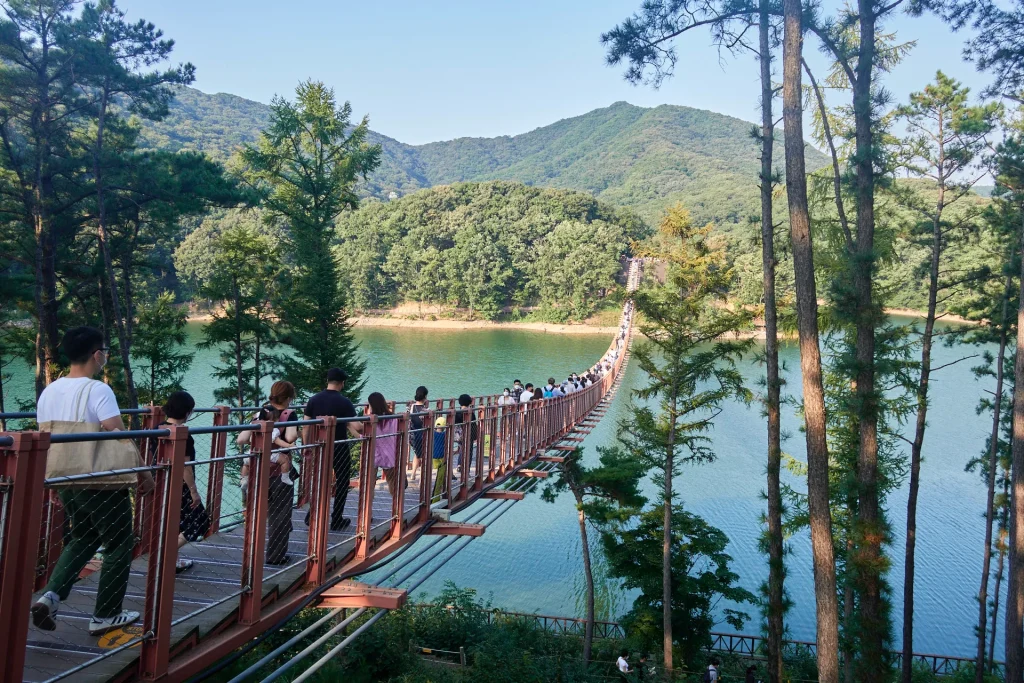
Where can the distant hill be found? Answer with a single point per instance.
(635, 157)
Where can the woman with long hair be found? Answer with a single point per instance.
(385, 452)
(282, 489)
(194, 523)
(418, 431)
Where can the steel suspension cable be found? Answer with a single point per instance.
(308, 630)
(320, 663)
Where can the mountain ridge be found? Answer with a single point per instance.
(640, 158)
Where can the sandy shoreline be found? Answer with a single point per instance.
(554, 328)
(551, 328)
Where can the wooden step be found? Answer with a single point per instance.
(535, 474)
(455, 529)
(352, 594)
(551, 458)
(504, 494)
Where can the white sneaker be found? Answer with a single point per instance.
(101, 626)
(285, 479)
(44, 612)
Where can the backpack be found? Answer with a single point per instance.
(707, 676)
(548, 393)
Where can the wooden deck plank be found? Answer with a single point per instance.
(215, 575)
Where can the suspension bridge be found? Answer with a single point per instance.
(230, 595)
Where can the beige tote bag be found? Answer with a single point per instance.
(86, 457)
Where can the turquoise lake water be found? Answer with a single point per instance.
(529, 559)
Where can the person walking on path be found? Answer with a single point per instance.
(282, 490)
(331, 401)
(418, 436)
(437, 462)
(465, 431)
(622, 664)
(385, 448)
(711, 675)
(99, 516)
(194, 523)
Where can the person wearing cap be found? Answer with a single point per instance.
(331, 401)
(440, 427)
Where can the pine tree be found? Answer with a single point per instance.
(691, 368)
(245, 280)
(306, 165)
(114, 53)
(603, 494)
(159, 334)
(946, 135)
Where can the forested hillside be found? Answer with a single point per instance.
(643, 159)
(479, 247)
(484, 246)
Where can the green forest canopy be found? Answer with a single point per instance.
(475, 246)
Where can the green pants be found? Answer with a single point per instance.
(440, 472)
(97, 518)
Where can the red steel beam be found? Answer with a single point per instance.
(215, 481)
(163, 553)
(23, 467)
(255, 544)
(319, 477)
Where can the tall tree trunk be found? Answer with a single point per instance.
(45, 295)
(776, 568)
(47, 301)
(995, 602)
(849, 649)
(3, 409)
(256, 368)
(45, 290)
(922, 414)
(993, 465)
(105, 315)
(123, 343)
(826, 602)
(238, 350)
(588, 571)
(1014, 629)
(666, 545)
(868, 565)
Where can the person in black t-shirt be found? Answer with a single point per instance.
(465, 439)
(330, 401)
(416, 410)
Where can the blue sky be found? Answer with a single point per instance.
(426, 71)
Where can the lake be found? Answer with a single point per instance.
(529, 559)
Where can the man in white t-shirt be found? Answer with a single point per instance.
(712, 674)
(527, 394)
(622, 663)
(99, 517)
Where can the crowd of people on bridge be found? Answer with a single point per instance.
(101, 517)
